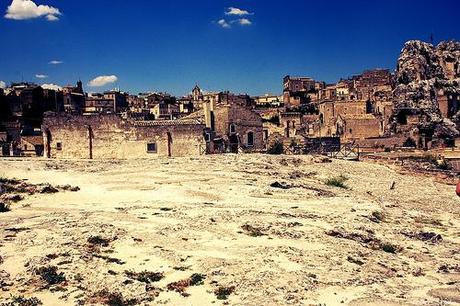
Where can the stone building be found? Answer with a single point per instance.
(300, 90)
(291, 122)
(110, 136)
(358, 127)
(268, 100)
(74, 98)
(98, 104)
(230, 128)
(350, 120)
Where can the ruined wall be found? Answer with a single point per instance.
(361, 128)
(67, 136)
(350, 108)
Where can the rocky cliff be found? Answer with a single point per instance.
(425, 72)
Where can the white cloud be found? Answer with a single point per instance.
(244, 22)
(41, 76)
(55, 62)
(52, 87)
(223, 23)
(27, 9)
(236, 11)
(102, 80)
(2, 85)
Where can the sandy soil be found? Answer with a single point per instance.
(308, 244)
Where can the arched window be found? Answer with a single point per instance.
(232, 128)
(250, 139)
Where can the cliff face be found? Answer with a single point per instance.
(425, 72)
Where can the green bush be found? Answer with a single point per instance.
(277, 148)
(338, 181)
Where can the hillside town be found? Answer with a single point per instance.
(379, 110)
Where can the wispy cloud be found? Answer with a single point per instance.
(244, 22)
(55, 62)
(41, 76)
(2, 85)
(103, 80)
(232, 14)
(27, 9)
(237, 12)
(223, 23)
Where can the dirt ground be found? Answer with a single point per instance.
(229, 229)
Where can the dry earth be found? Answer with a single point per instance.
(388, 239)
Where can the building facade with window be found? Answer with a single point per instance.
(111, 137)
(231, 128)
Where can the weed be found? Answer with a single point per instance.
(4, 207)
(23, 301)
(222, 292)
(377, 216)
(252, 231)
(145, 276)
(98, 240)
(389, 248)
(111, 299)
(50, 275)
(338, 181)
(277, 148)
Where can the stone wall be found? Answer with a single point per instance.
(108, 136)
(361, 128)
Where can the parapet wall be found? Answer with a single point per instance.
(111, 137)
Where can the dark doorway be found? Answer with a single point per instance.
(170, 144)
(48, 144)
(233, 141)
(250, 139)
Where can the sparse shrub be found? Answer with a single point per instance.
(277, 148)
(252, 231)
(389, 248)
(23, 301)
(98, 240)
(105, 297)
(442, 165)
(222, 293)
(338, 181)
(50, 275)
(47, 188)
(377, 216)
(4, 207)
(197, 279)
(145, 276)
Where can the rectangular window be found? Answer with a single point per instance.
(59, 146)
(152, 147)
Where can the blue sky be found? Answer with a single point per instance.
(171, 45)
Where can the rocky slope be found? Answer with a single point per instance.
(425, 71)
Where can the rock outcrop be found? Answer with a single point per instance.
(424, 73)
